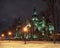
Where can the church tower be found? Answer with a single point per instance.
(18, 29)
(34, 21)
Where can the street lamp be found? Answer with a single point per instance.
(25, 29)
(2, 35)
(9, 33)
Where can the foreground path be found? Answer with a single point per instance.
(30, 44)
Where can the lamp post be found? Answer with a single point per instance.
(2, 35)
(25, 29)
(9, 33)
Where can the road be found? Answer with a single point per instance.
(30, 44)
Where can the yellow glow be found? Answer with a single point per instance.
(9, 33)
(25, 29)
(2, 35)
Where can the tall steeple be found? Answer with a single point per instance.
(34, 16)
(34, 12)
(18, 28)
(19, 21)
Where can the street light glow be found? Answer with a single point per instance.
(25, 29)
(2, 35)
(9, 33)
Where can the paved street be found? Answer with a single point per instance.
(30, 44)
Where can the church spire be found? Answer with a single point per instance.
(34, 16)
(34, 12)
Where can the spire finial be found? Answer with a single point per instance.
(34, 11)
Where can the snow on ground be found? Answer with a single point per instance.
(29, 44)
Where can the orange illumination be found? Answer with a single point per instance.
(25, 29)
(2, 35)
(9, 33)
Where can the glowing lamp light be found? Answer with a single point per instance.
(2, 35)
(9, 33)
(25, 29)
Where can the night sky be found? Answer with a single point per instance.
(11, 9)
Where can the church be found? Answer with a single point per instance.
(36, 29)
